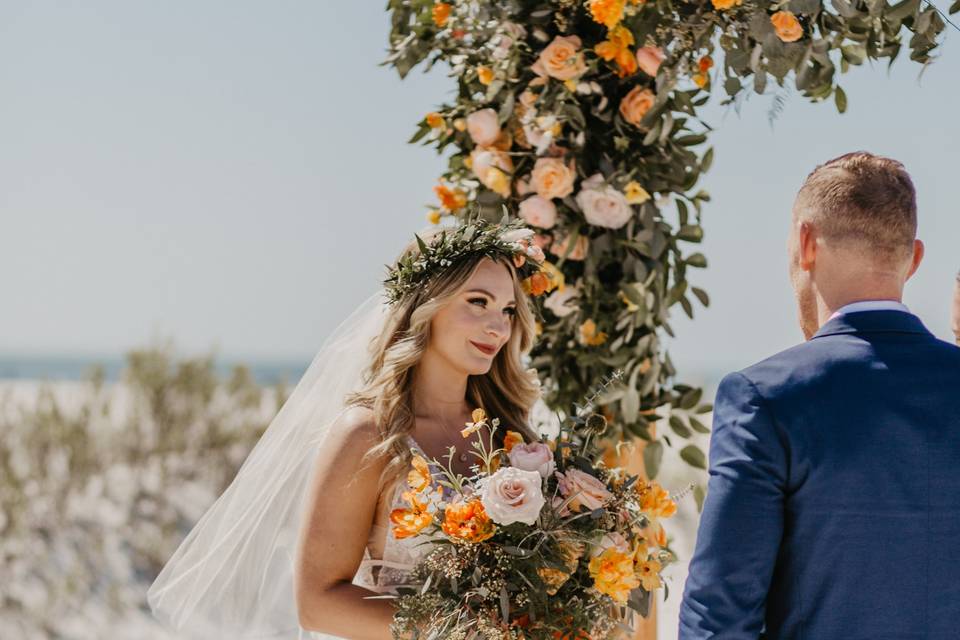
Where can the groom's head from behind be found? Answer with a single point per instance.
(853, 235)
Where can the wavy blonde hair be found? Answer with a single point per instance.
(507, 391)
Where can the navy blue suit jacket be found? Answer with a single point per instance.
(833, 503)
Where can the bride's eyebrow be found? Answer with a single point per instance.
(487, 293)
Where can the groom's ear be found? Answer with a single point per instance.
(918, 253)
(808, 246)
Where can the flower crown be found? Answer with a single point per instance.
(478, 237)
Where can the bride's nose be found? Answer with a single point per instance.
(498, 327)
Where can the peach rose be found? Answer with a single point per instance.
(539, 212)
(636, 104)
(649, 59)
(582, 489)
(483, 127)
(723, 5)
(578, 252)
(787, 26)
(561, 59)
(552, 179)
(493, 168)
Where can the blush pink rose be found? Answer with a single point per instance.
(483, 127)
(535, 456)
(539, 212)
(649, 59)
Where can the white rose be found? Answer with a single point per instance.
(535, 456)
(539, 212)
(515, 235)
(603, 205)
(557, 301)
(483, 127)
(513, 495)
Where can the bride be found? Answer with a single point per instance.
(302, 538)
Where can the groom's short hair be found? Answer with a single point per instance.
(863, 200)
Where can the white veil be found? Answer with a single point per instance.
(233, 574)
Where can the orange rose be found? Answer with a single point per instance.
(511, 439)
(636, 104)
(723, 5)
(701, 79)
(561, 59)
(435, 120)
(451, 199)
(537, 284)
(607, 12)
(441, 11)
(485, 75)
(705, 64)
(787, 26)
(468, 522)
(409, 522)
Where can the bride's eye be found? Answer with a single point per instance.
(512, 311)
(482, 301)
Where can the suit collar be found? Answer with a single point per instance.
(880, 321)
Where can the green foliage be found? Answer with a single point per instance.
(563, 84)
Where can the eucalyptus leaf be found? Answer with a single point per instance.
(694, 456)
(652, 456)
(840, 97)
(679, 428)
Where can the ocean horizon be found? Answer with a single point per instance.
(53, 368)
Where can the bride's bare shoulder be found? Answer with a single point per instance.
(354, 433)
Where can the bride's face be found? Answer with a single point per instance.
(470, 330)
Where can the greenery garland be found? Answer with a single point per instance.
(580, 116)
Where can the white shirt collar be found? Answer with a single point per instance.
(871, 305)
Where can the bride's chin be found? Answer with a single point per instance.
(475, 368)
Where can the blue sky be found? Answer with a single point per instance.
(234, 175)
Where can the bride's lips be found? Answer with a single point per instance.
(488, 349)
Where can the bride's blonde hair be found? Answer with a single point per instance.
(507, 391)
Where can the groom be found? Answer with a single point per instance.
(833, 505)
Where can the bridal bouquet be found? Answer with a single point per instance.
(542, 541)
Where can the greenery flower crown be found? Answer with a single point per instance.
(478, 237)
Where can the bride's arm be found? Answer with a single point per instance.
(339, 512)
